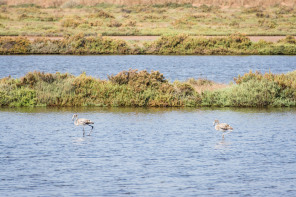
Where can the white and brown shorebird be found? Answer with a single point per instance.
(222, 127)
(82, 122)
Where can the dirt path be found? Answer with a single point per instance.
(152, 38)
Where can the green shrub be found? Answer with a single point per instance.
(144, 89)
(256, 90)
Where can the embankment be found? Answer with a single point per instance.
(172, 44)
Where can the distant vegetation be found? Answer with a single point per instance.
(174, 44)
(63, 3)
(143, 89)
(71, 17)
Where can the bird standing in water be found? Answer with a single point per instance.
(82, 122)
(222, 127)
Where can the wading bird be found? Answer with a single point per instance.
(82, 122)
(222, 127)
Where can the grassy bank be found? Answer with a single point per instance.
(182, 44)
(158, 18)
(143, 89)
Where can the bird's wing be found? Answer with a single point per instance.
(224, 126)
(84, 121)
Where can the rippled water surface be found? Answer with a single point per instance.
(147, 152)
(217, 68)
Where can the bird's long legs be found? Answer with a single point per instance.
(91, 129)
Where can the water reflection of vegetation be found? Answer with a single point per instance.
(143, 89)
(141, 110)
(91, 109)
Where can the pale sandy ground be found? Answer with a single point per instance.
(152, 38)
(215, 86)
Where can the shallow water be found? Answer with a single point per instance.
(217, 68)
(147, 152)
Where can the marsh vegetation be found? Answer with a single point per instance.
(182, 44)
(73, 17)
(147, 89)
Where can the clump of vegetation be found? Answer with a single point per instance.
(144, 89)
(114, 23)
(130, 23)
(128, 88)
(173, 5)
(288, 40)
(184, 44)
(139, 80)
(102, 14)
(206, 8)
(252, 10)
(267, 24)
(14, 45)
(262, 15)
(70, 22)
(284, 9)
(256, 90)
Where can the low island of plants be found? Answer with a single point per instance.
(147, 89)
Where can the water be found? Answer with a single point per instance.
(217, 68)
(147, 152)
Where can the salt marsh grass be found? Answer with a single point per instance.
(143, 89)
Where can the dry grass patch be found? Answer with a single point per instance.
(202, 85)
